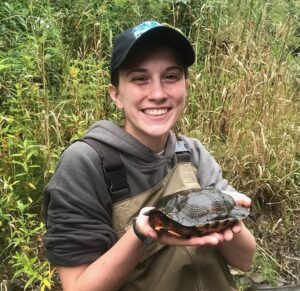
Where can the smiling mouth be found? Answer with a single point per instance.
(156, 111)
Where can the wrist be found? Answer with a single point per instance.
(139, 235)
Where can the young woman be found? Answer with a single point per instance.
(90, 237)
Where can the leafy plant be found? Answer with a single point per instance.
(243, 105)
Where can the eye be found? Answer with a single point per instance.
(139, 79)
(172, 77)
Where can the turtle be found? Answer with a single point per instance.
(198, 212)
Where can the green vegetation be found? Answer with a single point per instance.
(244, 105)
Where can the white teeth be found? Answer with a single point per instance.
(156, 111)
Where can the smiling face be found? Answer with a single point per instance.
(152, 93)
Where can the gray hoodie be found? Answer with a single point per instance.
(78, 205)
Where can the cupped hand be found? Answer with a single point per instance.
(214, 238)
(209, 239)
(143, 226)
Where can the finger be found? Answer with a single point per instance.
(239, 198)
(228, 234)
(212, 239)
(145, 210)
(142, 224)
(218, 235)
(237, 227)
(231, 231)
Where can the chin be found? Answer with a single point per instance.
(158, 132)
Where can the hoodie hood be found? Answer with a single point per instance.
(115, 136)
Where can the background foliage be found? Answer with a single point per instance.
(243, 105)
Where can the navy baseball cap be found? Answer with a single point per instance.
(150, 31)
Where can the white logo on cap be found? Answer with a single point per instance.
(143, 27)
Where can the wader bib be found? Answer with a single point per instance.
(171, 268)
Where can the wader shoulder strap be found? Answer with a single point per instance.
(114, 169)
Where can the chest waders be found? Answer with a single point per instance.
(169, 268)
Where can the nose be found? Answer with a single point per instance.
(157, 91)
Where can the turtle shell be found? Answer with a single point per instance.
(196, 212)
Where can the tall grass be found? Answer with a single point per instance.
(243, 105)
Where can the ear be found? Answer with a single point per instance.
(187, 83)
(115, 96)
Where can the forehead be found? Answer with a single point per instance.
(151, 54)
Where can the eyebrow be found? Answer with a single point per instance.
(135, 70)
(142, 70)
